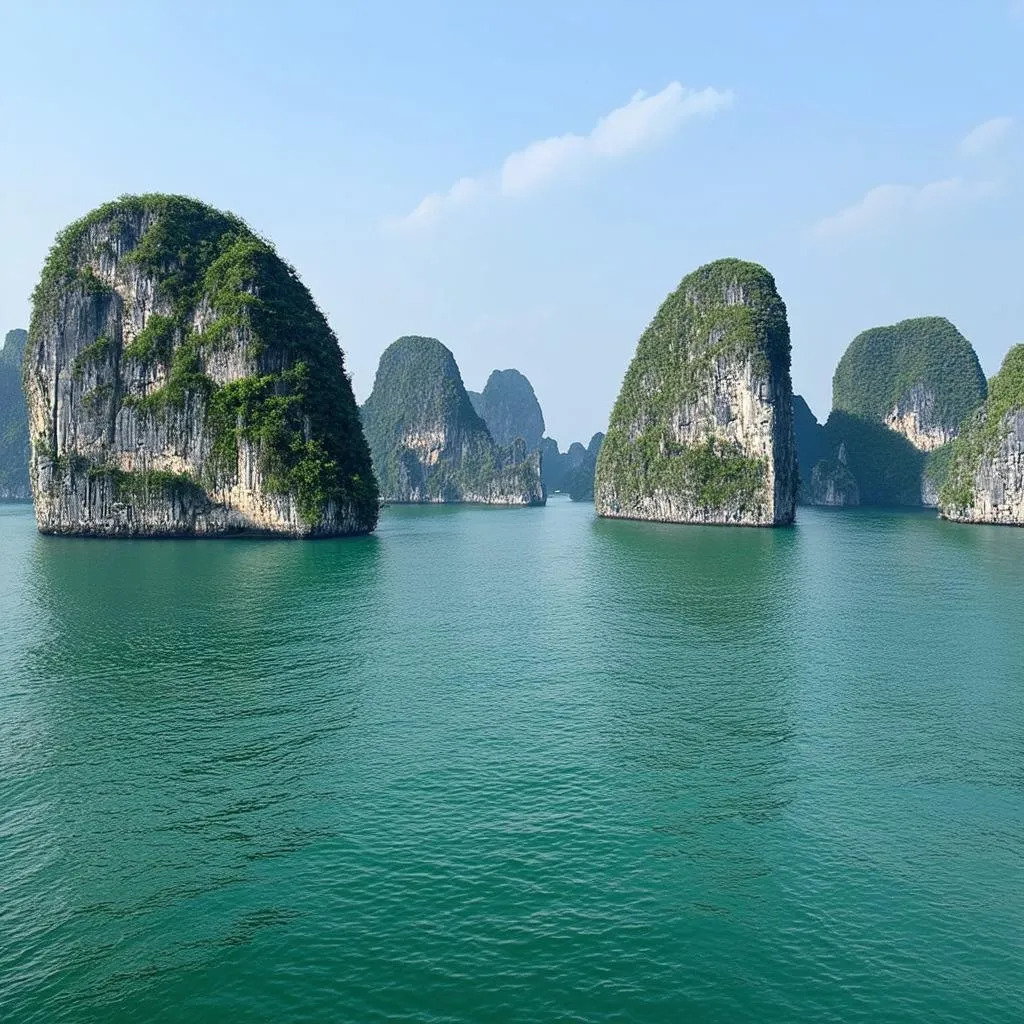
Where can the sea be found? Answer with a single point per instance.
(515, 765)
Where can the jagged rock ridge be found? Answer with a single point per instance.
(571, 471)
(14, 482)
(428, 443)
(985, 479)
(702, 430)
(181, 381)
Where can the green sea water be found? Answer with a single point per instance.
(515, 765)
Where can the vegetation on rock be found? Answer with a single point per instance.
(884, 368)
(233, 342)
(885, 466)
(983, 433)
(510, 409)
(14, 446)
(428, 443)
(680, 436)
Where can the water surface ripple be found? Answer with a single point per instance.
(515, 765)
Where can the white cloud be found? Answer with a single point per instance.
(887, 204)
(431, 207)
(643, 121)
(985, 136)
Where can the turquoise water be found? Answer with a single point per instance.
(515, 765)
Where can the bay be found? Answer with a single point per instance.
(515, 765)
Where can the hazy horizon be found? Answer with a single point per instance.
(528, 185)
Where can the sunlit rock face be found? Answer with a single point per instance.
(702, 430)
(180, 380)
(985, 481)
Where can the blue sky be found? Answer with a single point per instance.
(870, 154)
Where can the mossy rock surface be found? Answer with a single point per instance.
(984, 480)
(176, 341)
(429, 444)
(702, 429)
(922, 367)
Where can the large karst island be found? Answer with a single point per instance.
(428, 443)
(702, 430)
(181, 381)
(900, 395)
(14, 484)
(984, 482)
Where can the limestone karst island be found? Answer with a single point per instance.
(702, 430)
(180, 380)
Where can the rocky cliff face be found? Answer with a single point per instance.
(702, 430)
(985, 480)
(921, 378)
(14, 484)
(181, 381)
(832, 483)
(429, 445)
(811, 446)
(510, 409)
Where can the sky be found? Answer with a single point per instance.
(529, 181)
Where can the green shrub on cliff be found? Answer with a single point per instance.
(427, 441)
(217, 284)
(882, 365)
(725, 314)
(982, 434)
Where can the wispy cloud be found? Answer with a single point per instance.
(641, 122)
(888, 204)
(987, 135)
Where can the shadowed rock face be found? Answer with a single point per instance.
(181, 381)
(14, 483)
(920, 377)
(583, 463)
(428, 443)
(510, 409)
(702, 430)
(832, 483)
(811, 445)
(985, 481)
(865, 463)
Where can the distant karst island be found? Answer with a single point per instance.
(14, 482)
(900, 396)
(428, 443)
